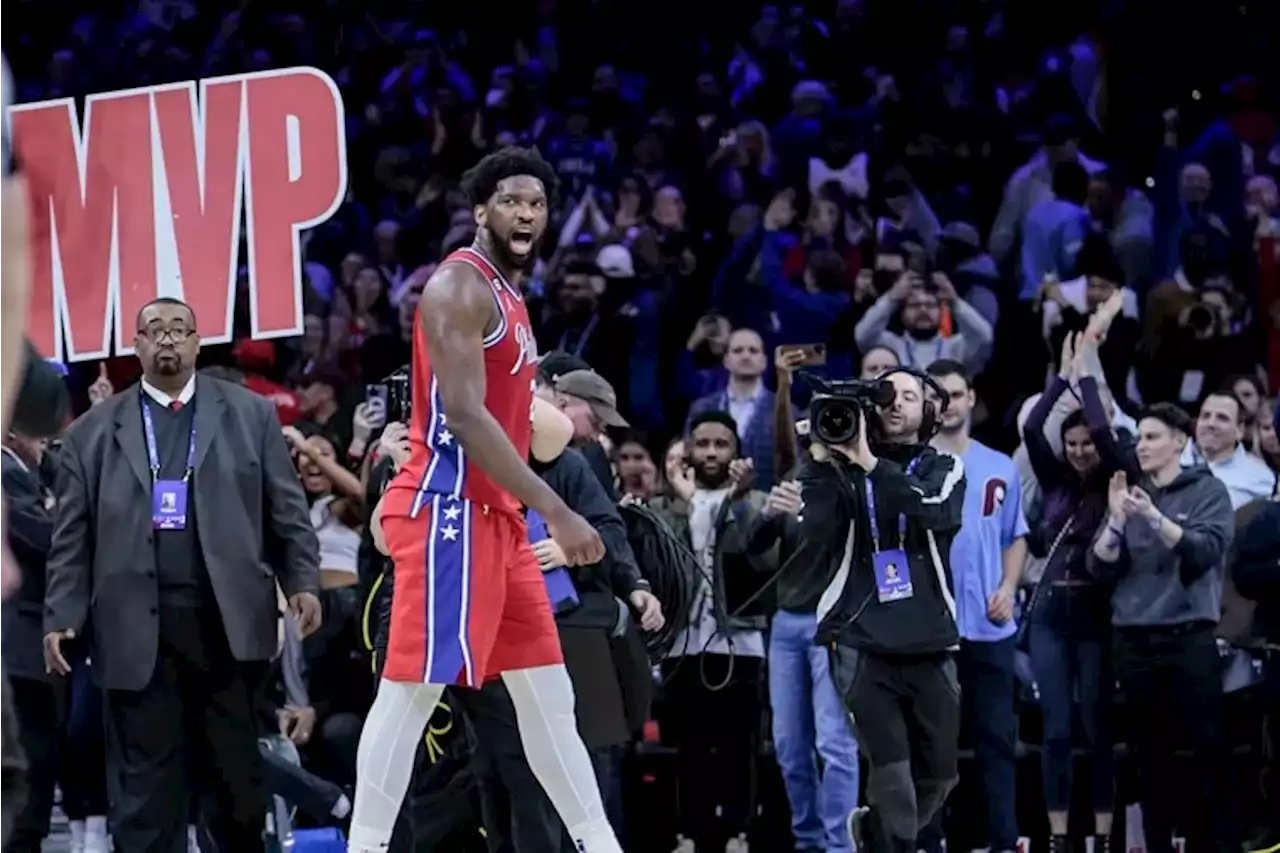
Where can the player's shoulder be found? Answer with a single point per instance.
(457, 274)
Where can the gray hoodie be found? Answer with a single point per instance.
(1157, 585)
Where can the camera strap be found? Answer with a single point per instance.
(875, 523)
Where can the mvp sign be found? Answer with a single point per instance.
(151, 194)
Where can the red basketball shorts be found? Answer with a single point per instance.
(469, 600)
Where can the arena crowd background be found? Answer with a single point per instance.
(733, 165)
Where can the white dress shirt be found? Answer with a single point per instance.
(184, 396)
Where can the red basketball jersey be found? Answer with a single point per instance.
(438, 464)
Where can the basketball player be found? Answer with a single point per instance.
(470, 603)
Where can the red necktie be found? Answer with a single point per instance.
(175, 405)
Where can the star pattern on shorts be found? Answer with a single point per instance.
(444, 437)
(450, 533)
(452, 512)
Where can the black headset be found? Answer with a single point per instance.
(931, 417)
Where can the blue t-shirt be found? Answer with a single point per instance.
(992, 521)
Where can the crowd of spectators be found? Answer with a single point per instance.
(883, 183)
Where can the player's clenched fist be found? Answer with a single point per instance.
(578, 539)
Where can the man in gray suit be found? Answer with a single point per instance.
(178, 512)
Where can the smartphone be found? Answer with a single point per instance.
(815, 355)
(377, 391)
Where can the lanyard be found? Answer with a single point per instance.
(874, 524)
(583, 337)
(153, 456)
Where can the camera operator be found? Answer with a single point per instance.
(1193, 323)
(888, 615)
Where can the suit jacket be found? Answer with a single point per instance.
(30, 526)
(254, 529)
(757, 444)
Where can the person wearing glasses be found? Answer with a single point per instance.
(179, 512)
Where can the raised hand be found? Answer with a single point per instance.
(1118, 496)
(101, 389)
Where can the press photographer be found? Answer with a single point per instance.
(888, 615)
(1193, 325)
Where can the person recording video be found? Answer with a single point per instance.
(889, 506)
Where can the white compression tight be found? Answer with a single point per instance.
(543, 699)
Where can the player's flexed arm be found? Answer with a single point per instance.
(456, 310)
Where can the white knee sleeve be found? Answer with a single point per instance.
(543, 699)
(385, 760)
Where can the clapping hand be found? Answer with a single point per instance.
(742, 473)
(1118, 497)
(784, 499)
(1103, 316)
(680, 478)
(1138, 503)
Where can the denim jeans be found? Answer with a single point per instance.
(1070, 655)
(810, 722)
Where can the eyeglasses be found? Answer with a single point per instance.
(156, 334)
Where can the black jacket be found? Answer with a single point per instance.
(1256, 569)
(931, 497)
(740, 579)
(599, 585)
(30, 528)
(806, 563)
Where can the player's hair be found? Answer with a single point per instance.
(163, 300)
(480, 182)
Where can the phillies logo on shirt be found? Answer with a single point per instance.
(993, 495)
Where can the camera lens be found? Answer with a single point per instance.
(835, 422)
(1200, 318)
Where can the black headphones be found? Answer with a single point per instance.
(931, 418)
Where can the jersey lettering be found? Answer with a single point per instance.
(527, 354)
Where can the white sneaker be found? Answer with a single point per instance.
(737, 845)
(684, 845)
(96, 839)
(77, 836)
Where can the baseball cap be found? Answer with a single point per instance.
(615, 261)
(596, 391)
(557, 363)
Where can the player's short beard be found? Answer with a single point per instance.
(502, 254)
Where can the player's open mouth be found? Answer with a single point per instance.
(522, 240)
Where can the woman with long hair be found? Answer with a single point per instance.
(1068, 619)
